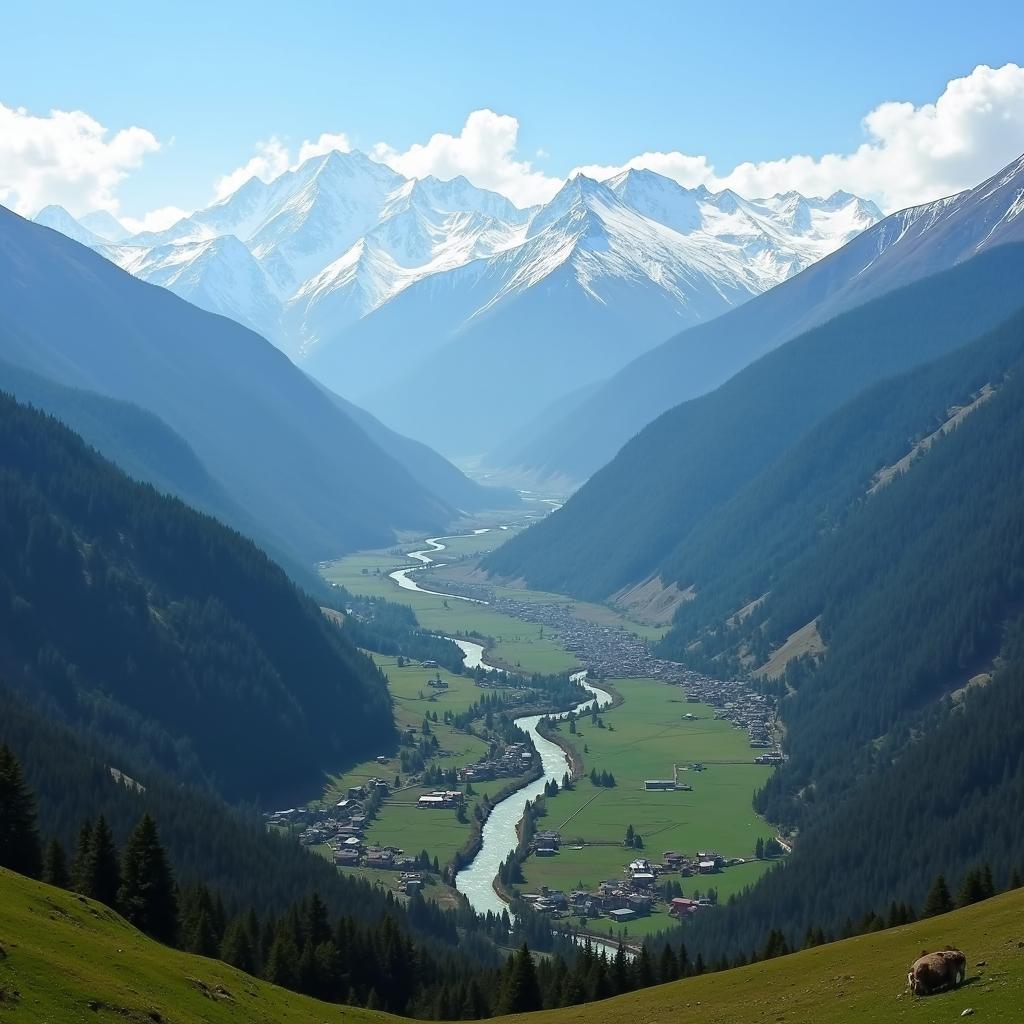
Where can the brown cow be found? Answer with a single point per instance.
(934, 972)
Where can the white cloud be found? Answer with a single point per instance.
(327, 143)
(270, 160)
(484, 151)
(66, 157)
(913, 154)
(155, 220)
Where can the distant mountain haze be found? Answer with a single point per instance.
(901, 248)
(628, 523)
(395, 288)
(281, 449)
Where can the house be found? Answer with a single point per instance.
(623, 915)
(639, 865)
(707, 867)
(643, 879)
(641, 904)
(356, 793)
(380, 859)
(659, 784)
(441, 799)
(680, 907)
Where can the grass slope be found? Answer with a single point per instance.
(71, 960)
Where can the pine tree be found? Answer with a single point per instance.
(668, 965)
(988, 886)
(971, 889)
(521, 991)
(102, 875)
(237, 947)
(55, 866)
(759, 848)
(315, 927)
(20, 847)
(80, 865)
(938, 900)
(147, 895)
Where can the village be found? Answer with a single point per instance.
(645, 886)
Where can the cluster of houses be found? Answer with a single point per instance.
(515, 759)
(735, 702)
(635, 894)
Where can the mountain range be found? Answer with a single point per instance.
(676, 476)
(235, 426)
(573, 443)
(388, 288)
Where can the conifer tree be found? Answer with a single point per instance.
(147, 895)
(20, 847)
(237, 947)
(938, 900)
(521, 991)
(55, 866)
(80, 865)
(102, 874)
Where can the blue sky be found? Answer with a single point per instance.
(587, 84)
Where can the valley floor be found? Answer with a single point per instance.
(642, 738)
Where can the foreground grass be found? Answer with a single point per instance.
(68, 959)
(73, 960)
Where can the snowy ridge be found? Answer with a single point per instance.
(367, 275)
(341, 235)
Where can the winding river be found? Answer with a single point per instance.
(476, 880)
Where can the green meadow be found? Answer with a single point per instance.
(642, 739)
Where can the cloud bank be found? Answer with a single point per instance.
(910, 154)
(66, 157)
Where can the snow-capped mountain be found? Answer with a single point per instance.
(903, 248)
(595, 279)
(349, 264)
(59, 219)
(104, 224)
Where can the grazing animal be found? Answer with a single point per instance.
(934, 972)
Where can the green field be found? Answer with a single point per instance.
(70, 959)
(516, 643)
(642, 739)
(400, 822)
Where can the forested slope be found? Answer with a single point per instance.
(279, 447)
(904, 737)
(126, 610)
(624, 524)
(744, 553)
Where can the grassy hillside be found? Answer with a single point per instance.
(68, 959)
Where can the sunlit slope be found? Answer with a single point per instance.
(70, 959)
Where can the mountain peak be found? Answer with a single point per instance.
(578, 197)
(56, 217)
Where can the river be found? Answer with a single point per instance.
(476, 880)
(403, 577)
